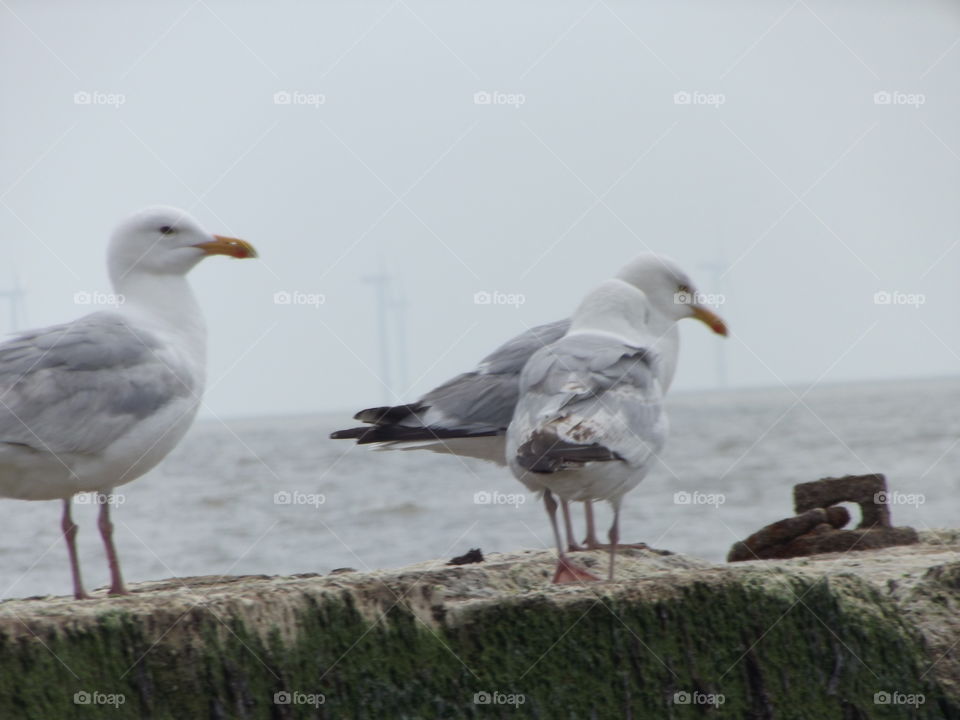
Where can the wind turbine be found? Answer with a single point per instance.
(15, 302)
(391, 316)
(718, 268)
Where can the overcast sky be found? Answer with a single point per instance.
(745, 139)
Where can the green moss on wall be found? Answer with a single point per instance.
(772, 644)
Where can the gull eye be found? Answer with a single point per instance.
(684, 290)
(167, 230)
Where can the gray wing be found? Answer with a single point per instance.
(488, 396)
(513, 355)
(77, 387)
(588, 399)
(473, 404)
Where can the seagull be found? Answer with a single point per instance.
(97, 402)
(468, 415)
(590, 422)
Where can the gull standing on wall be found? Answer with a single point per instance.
(95, 403)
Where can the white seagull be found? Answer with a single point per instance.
(95, 403)
(469, 414)
(590, 422)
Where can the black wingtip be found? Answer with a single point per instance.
(349, 434)
(387, 414)
(398, 433)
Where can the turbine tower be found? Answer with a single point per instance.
(718, 269)
(391, 333)
(15, 301)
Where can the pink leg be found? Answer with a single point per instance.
(106, 532)
(593, 543)
(566, 572)
(614, 536)
(69, 529)
(572, 545)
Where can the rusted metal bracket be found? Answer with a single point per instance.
(817, 527)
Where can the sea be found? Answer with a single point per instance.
(276, 496)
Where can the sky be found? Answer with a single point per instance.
(801, 160)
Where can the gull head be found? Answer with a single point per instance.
(166, 241)
(669, 290)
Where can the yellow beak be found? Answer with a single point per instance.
(233, 247)
(710, 319)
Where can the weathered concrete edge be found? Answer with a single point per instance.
(802, 634)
